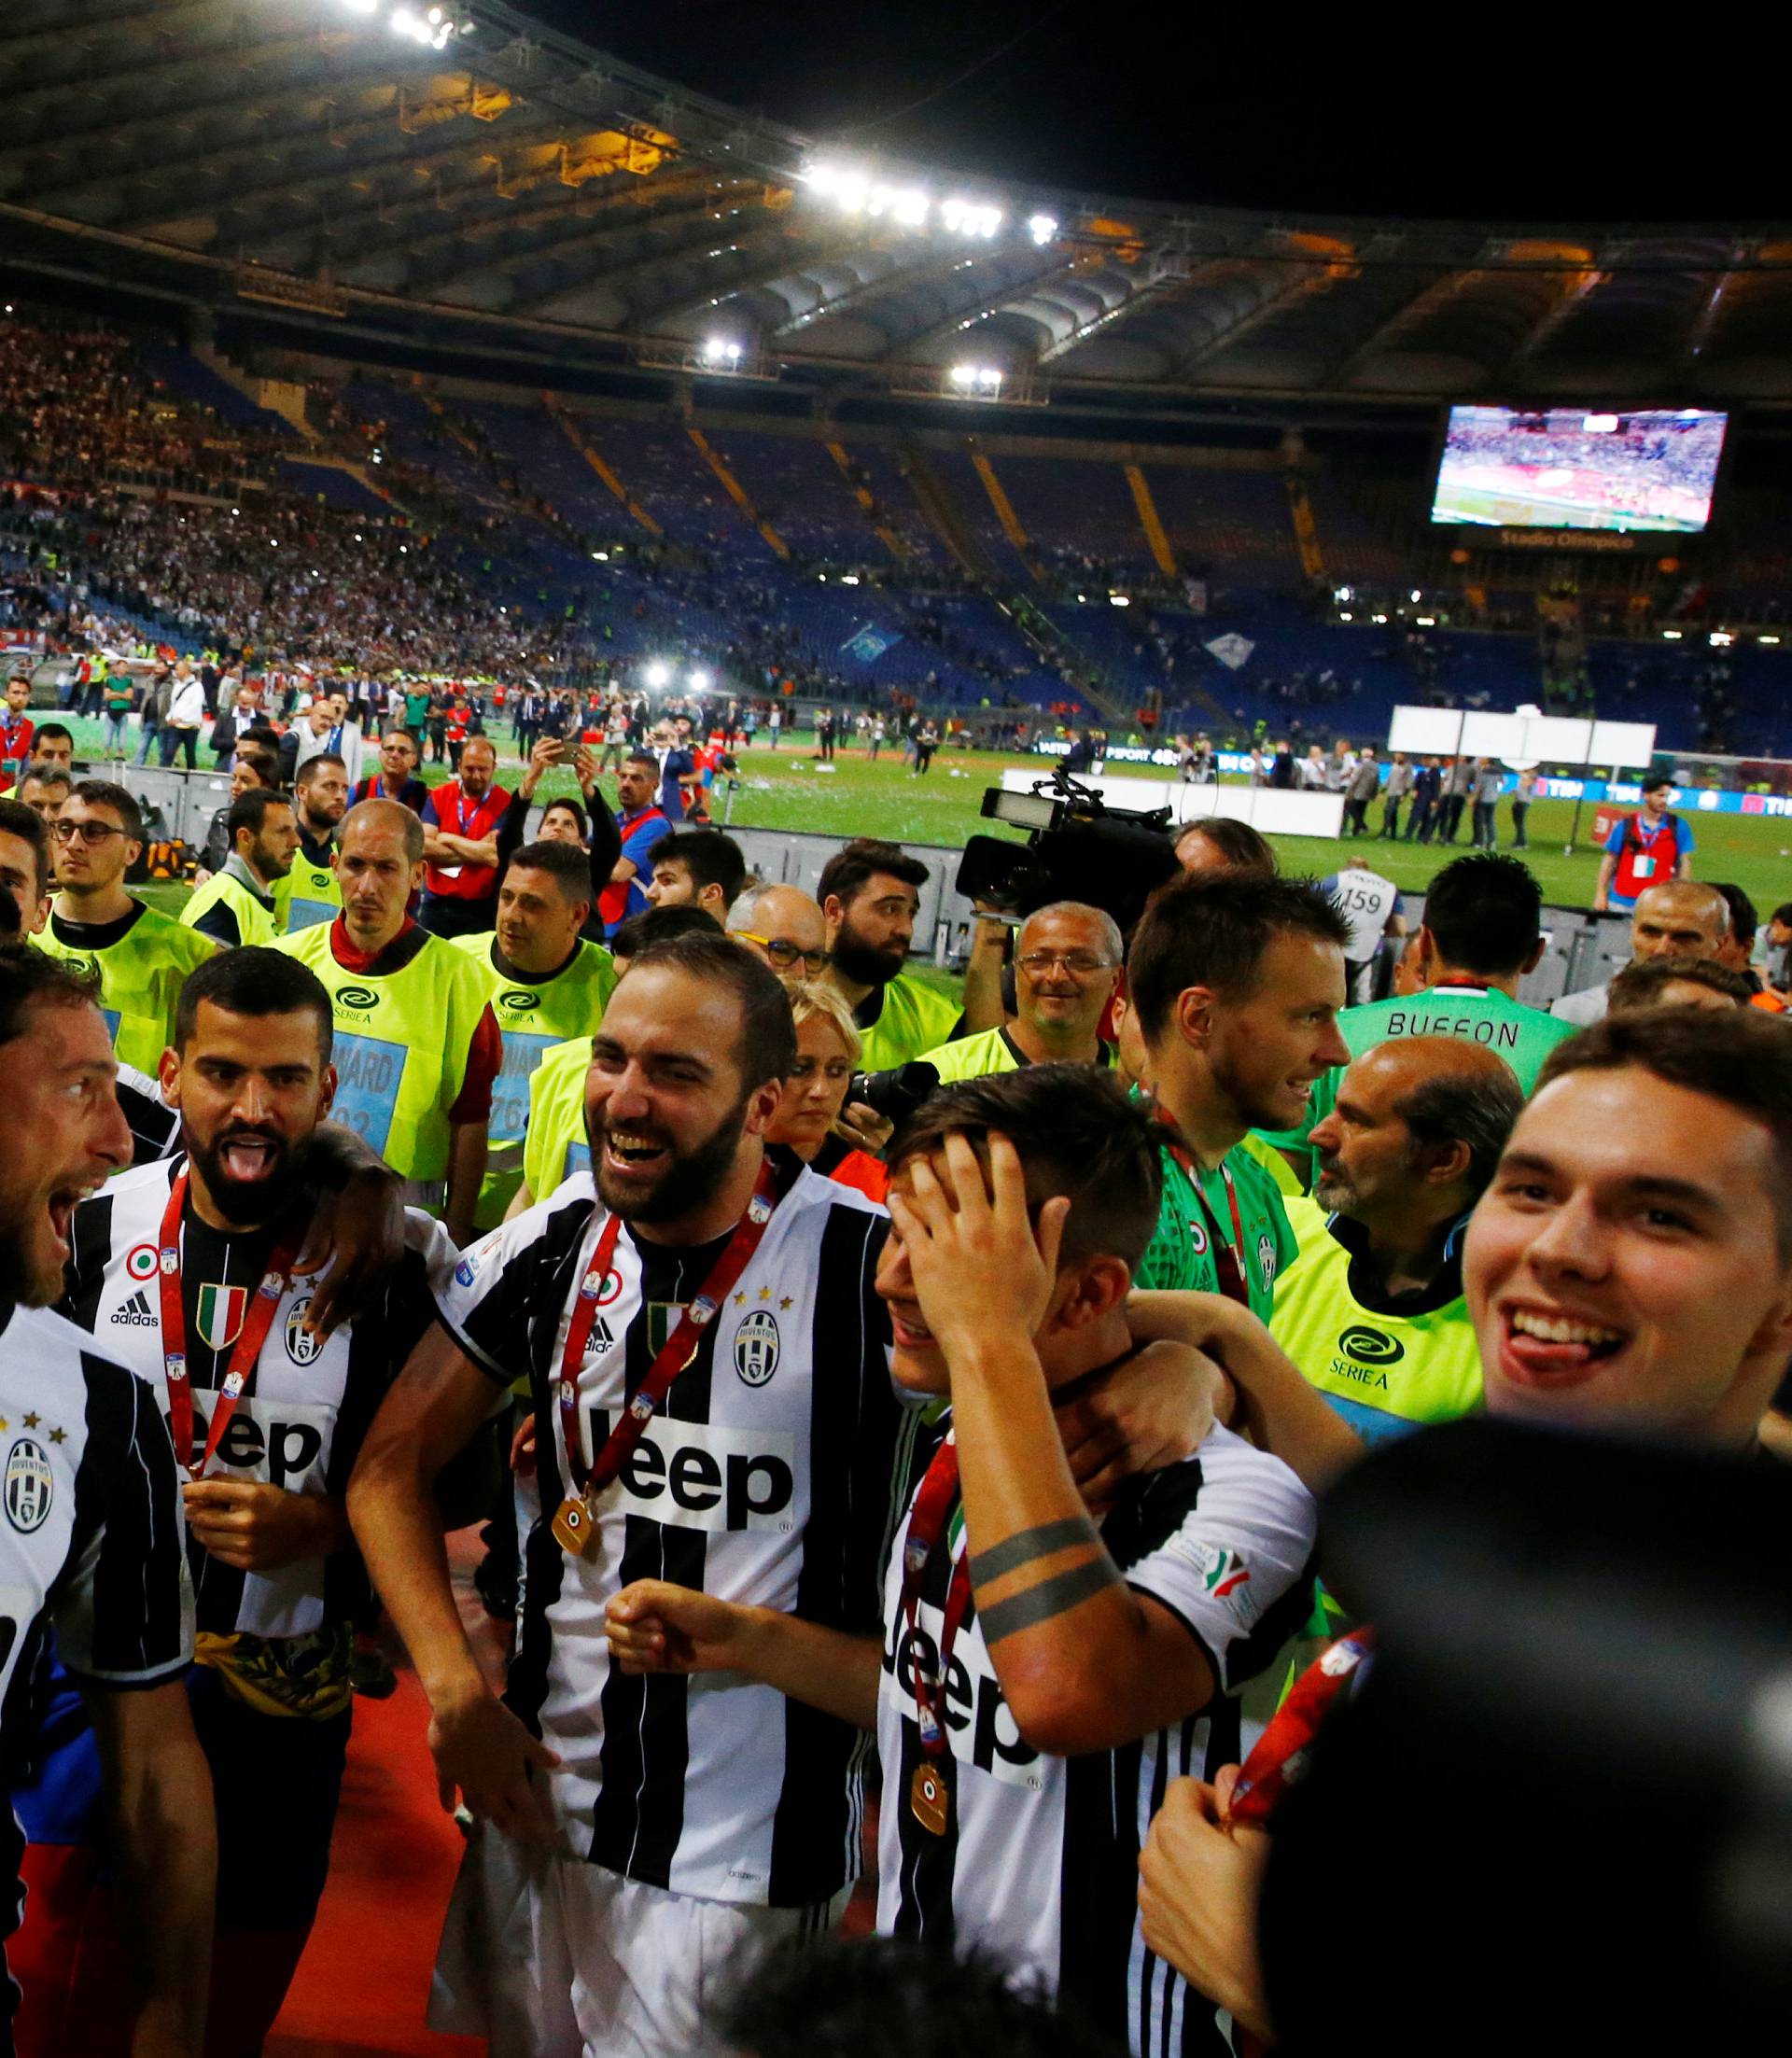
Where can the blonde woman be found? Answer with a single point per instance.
(827, 1055)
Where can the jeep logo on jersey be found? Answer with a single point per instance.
(979, 1725)
(756, 1346)
(697, 1476)
(30, 1486)
(519, 998)
(1370, 1345)
(301, 1345)
(281, 1451)
(358, 997)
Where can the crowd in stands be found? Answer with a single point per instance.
(468, 537)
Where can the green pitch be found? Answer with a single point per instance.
(787, 789)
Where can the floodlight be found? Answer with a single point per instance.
(600, 557)
(967, 218)
(1670, 636)
(1347, 617)
(848, 578)
(1119, 600)
(1767, 640)
(1378, 618)
(1417, 595)
(1721, 636)
(1344, 592)
(700, 683)
(1042, 228)
(657, 675)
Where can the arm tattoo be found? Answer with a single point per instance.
(1051, 1596)
(1029, 1543)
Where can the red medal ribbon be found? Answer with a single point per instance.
(925, 1526)
(1228, 1259)
(254, 1334)
(678, 1350)
(1280, 1755)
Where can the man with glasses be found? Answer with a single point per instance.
(140, 958)
(782, 925)
(1067, 964)
(396, 778)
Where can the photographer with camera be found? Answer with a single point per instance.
(1067, 962)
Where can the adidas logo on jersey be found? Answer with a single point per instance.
(602, 1338)
(136, 1312)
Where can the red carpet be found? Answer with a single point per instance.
(363, 1984)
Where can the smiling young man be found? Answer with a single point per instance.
(1236, 980)
(1629, 1269)
(1039, 1674)
(736, 1291)
(92, 1546)
(272, 1565)
(140, 956)
(546, 986)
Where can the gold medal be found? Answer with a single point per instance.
(575, 1528)
(930, 1798)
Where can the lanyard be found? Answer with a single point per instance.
(254, 1334)
(925, 1526)
(574, 1524)
(1229, 1258)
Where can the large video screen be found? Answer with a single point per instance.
(1565, 468)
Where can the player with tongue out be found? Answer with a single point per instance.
(194, 1271)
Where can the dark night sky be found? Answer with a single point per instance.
(1262, 103)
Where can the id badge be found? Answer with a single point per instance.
(1643, 868)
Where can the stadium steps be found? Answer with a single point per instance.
(1151, 522)
(874, 514)
(626, 499)
(735, 491)
(1005, 514)
(1312, 561)
(281, 396)
(944, 519)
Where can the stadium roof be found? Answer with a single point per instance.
(469, 175)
